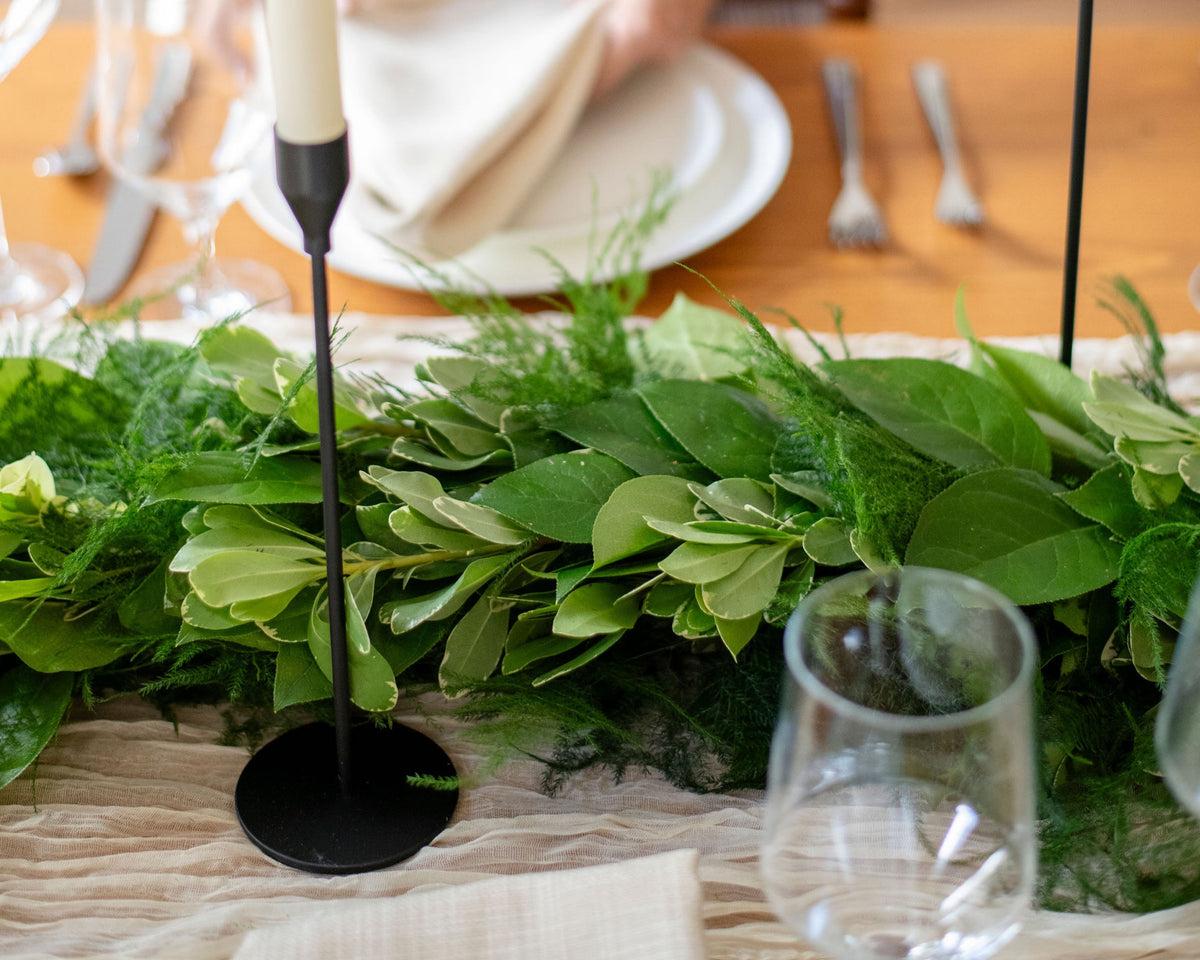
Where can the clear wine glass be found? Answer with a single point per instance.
(36, 281)
(1177, 724)
(900, 797)
(184, 116)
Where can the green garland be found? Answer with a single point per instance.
(600, 534)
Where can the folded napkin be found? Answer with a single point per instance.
(456, 108)
(650, 907)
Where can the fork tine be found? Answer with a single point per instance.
(854, 219)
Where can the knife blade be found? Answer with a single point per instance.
(129, 209)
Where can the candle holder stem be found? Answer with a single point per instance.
(1083, 67)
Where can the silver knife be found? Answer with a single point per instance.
(129, 210)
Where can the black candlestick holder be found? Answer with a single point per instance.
(337, 799)
(1083, 69)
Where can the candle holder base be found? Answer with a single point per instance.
(291, 806)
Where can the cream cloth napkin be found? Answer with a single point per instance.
(456, 108)
(650, 907)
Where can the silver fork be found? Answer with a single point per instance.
(956, 204)
(855, 220)
(77, 156)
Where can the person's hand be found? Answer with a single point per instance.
(648, 31)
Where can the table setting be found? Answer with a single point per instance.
(548, 598)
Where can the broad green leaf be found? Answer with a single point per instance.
(699, 532)
(406, 649)
(468, 378)
(621, 528)
(558, 497)
(738, 499)
(944, 411)
(665, 599)
(237, 575)
(258, 538)
(469, 435)
(47, 639)
(222, 477)
(1107, 498)
(729, 431)
(1009, 529)
(405, 614)
(196, 612)
(415, 529)
(374, 521)
(588, 655)
(567, 580)
(413, 487)
(143, 609)
(1065, 442)
(695, 342)
(748, 589)
(1121, 411)
(622, 427)
(303, 408)
(596, 608)
(372, 683)
(1150, 653)
(527, 438)
(243, 635)
(482, 521)
(705, 562)
(521, 655)
(1043, 384)
(475, 644)
(22, 589)
(242, 353)
(828, 542)
(32, 705)
(298, 678)
(736, 634)
(804, 484)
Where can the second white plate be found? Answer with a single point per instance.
(714, 123)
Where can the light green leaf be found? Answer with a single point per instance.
(519, 655)
(748, 589)
(405, 614)
(482, 521)
(475, 644)
(699, 532)
(237, 575)
(469, 435)
(558, 497)
(258, 538)
(1189, 471)
(1043, 384)
(695, 342)
(303, 407)
(1107, 497)
(32, 705)
(298, 678)
(1121, 411)
(729, 431)
(1155, 491)
(738, 499)
(222, 477)
(372, 683)
(196, 612)
(666, 598)
(413, 487)
(242, 353)
(943, 411)
(622, 525)
(828, 542)
(46, 640)
(413, 528)
(736, 634)
(460, 375)
(1009, 529)
(705, 562)
(418, 453)
(1065, 442)
(1153, 456)
(596, 608)
(21, 589)
(588, 655)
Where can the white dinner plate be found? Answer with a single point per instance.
(711, 121)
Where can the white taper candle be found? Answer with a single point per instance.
(304, 65)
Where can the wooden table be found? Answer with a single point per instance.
(1013, 93)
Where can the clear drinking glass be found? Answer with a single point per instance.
(1177, 725)
(184, 116)
(36, 281)
(900, 799)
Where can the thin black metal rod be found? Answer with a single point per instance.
(331, 508)
(1083, 69)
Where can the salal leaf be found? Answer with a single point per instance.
(475, 644)
(748, 589)
(1107, 498)
(372, 683)
(298, 678)
(1010, 529)
(222, 477)
(482, 521)
(32, 705)
(705, 562)
(596, 608)
(236, 575)
(348, 401)
(828, 542)
(729, 431)
(738, 499)
(944, 411)
(621, 528)
(696, 342)
(405, 614)
(1065, 442)
(558, 497)
(736, 634)
(49, 640)
(1043, 384)
(623, 427)
(243, 354)
(1121, 411)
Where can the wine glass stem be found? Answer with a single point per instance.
(200, 233)
(11, 291)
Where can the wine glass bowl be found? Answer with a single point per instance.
(900, 798)
(36, 281)
(183, 117)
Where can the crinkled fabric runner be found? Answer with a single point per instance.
(123, 843)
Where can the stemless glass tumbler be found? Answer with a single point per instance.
(901, 792)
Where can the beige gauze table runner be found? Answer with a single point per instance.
(123, 841)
